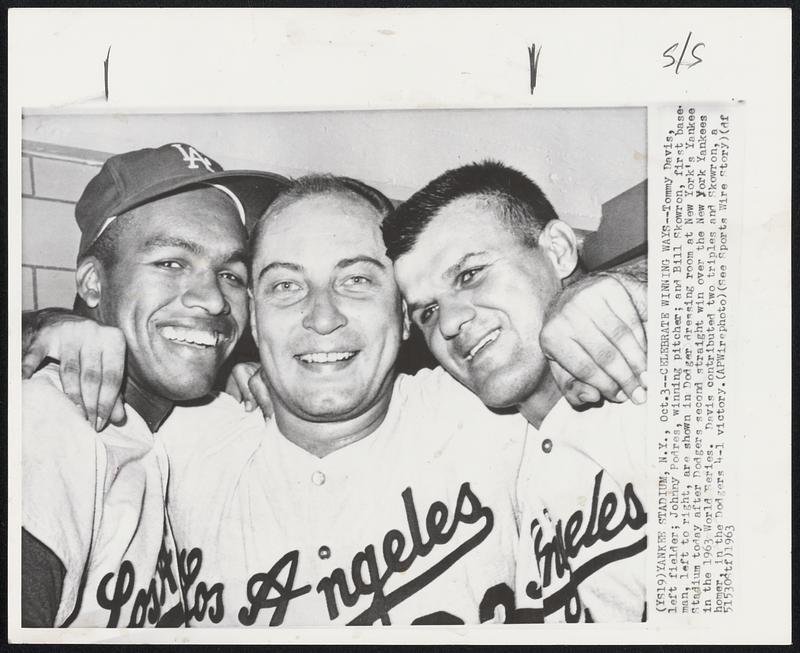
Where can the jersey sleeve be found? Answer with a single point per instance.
(42, 579)
(60, 459)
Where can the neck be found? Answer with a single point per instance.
(536, 407)
(152, 408)
(323, 438)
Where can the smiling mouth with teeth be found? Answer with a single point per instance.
(192, 337)
(326, 356)
(486, 340)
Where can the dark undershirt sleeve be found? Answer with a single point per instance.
(42, 582)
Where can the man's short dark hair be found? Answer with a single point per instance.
(105, 249)
(520, 202)
(315, 184)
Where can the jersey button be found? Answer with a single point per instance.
(318, 478)
(324, 552)
(547, 445)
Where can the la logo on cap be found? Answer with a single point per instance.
(192, 157)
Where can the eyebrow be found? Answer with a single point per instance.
(238, 255)
(276, 265)
(344, 263)
(450, 272)
(171, 241)
(347, 262)
(459, 265)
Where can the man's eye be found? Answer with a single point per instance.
(468, 275)
(169, 265)
(427, 313)
(233, 278)
(357, 281)
(285, 287)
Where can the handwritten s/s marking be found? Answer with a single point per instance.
(680, 62)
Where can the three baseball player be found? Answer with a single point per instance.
(377, 498)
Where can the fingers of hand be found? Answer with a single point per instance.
(608, 337)
(636, 322)
(233, 386)
(584, 369)
(111, 346)
(237, 384)
(576, 392)
(91, 375)
(69, 370)
(586, 394)
(118, 412)
(613, 363)
(576, 361)
(32, 359)
(619, 318)
(627, 359)
(615, 313)
(250, 402)
(259, 389)
(108, 397)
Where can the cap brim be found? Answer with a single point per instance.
(254, 188)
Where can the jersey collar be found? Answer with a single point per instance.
(153, 409)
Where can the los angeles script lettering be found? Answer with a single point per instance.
(369, 572)
(116, 590)
(367, 576)
(554, 551)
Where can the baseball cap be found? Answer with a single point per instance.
(134, 178)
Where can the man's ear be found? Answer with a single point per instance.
(89, 281)
(251, 306)
(406, 322)
(559, 244)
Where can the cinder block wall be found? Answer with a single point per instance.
(53, 178)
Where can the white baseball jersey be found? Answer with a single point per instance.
(582, 497)
(415, 523)
(97, 502)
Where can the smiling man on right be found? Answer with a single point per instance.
(480, 255)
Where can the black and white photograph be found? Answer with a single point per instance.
(439, 321)
(241, 429)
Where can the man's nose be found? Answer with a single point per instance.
(205, 292)
(454, 313)
(323, 316)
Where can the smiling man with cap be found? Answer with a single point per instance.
(163, 259)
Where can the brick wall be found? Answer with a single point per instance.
(53, 178)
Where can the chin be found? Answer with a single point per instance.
(494, 399)
(187, 391)
(327, 410)
(497, 393)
